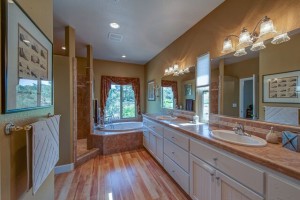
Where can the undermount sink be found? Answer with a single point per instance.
(232, 137)
(165, 117)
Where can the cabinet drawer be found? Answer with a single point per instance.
(177, 138)
(203, 152)
(180, 176)
(177, 154)
(246, 174)
(157, 128)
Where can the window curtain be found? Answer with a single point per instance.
(106, 82)
(173, 84)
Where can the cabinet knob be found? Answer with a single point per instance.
(173, 137)
(173, 152)
(215, 159)
(173, 171)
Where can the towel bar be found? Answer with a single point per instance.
(10, 127)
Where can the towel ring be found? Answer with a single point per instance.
(11, 127)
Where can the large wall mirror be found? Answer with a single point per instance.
(261, 85)
(178, 92)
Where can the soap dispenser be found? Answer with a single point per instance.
(272, 137)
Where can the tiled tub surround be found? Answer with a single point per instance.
(258, 128)
(272, 156)
(116, 142)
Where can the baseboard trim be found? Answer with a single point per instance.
(64, 168)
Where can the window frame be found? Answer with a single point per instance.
(162, 98)
(121, 104)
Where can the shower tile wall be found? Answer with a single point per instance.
(82, 107)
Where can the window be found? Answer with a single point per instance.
(167, 97)
(203, 96)
(120, 103)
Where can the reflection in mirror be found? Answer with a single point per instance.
(178, 92)
(240, 86)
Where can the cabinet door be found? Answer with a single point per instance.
(202, 180)
(159, 148)
(152, 143)
(229, 189)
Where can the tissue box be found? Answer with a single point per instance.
(291, 141)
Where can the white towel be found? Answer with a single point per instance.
(282, 115)
(45, 150)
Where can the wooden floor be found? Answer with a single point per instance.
(124, 176)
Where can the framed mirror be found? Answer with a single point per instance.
(179, 91)
(261, 85)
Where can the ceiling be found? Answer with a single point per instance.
(147, 26)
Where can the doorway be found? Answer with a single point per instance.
(248, 98)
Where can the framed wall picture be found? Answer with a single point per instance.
(188, 90)
(151, 90)
(27, 81)
(282, 87)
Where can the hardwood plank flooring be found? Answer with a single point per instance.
(133, 175)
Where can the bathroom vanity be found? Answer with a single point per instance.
(210, 169)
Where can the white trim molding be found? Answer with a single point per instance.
(64, 168)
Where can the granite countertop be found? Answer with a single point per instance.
(273, 156)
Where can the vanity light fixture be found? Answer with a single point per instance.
(63, 48)
(280, 38)
(247, 38)
(114, 25)
(176, 71)
(123, 56)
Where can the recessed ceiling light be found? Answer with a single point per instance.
(114, 25)
(63, 48)
(123, 56)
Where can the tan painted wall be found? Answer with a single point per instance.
(109, 68)
(244, 69)
(277, 59)
(63, 98)
(13, 148)
(209, 33)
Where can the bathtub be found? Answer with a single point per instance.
(122, 127)
(118, 137)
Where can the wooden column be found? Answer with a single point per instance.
(70, 40)
(89, 86)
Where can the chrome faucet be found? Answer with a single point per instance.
(239, 129)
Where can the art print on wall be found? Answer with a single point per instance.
(188, 90)
(282, 88)
(26, 60)
(33, 57)
(151, 90)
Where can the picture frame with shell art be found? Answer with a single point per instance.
(27, 60)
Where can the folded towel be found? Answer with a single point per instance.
(45, 150)
(282, 115)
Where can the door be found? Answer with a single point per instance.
(255, 97)
(159, 148)
(247, 98)
(202, 180)
(229, 189)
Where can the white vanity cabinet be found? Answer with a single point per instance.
(207, 173)
(281, 189)
(208, 183)
(153, 139)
